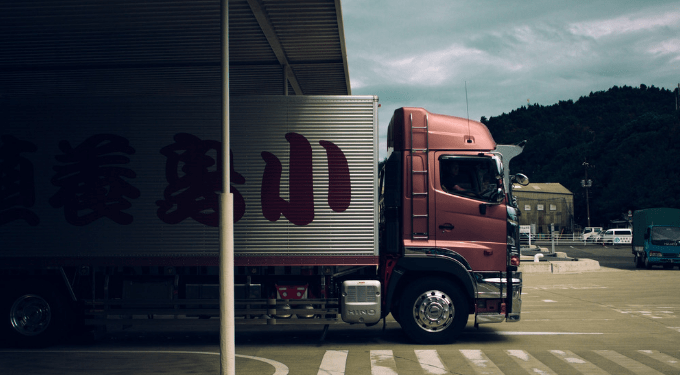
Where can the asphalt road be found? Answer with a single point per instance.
(617, 320)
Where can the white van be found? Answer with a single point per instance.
(615, 236)
(590, 233)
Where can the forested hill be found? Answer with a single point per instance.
(630, 137)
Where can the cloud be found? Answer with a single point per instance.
(625, 24)
(432, 68)
(666, 47)
(423, 54)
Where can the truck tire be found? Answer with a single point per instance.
(34, 315)
(638, 261)
(433, 311)
(395, 315)
(647, 264)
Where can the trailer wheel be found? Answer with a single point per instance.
(35, 315)
(433, 311)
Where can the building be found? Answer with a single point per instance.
(545, 204)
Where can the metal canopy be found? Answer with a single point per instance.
(166, 47)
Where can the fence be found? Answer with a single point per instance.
(570, 238)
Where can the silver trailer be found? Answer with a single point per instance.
(110, 215)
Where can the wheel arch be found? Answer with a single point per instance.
(54, 277)
(415, 267)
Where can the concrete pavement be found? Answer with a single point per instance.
(537, 259)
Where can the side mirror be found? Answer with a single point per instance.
(520, 179)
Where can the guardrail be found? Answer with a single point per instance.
(571, 238)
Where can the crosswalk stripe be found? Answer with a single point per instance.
(529, 363)
(382, 363)
(431, 362)
(665, 358)
(333, 362)
(480, 362)
(580, 364)
(629, 364)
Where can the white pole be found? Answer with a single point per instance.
(227, 325)
(226, 265)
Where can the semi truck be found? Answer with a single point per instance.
(110, 213)
(656, 237)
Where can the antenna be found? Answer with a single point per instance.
(467, 109)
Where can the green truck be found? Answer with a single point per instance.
(656, 237)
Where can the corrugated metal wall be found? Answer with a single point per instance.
(348, 122)
(74, 190)
(111, 189)
(145, 71)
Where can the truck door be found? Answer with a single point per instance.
(468, 218)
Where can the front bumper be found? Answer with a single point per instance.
(492, 286)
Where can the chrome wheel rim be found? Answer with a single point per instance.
(433, 311)
(30, 315)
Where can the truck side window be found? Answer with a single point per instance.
(473, 177)
(453, 179)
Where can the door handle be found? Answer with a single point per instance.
(446, 226)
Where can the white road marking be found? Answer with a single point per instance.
(382, 363)
(665, 358)
(431, 362)
(480, 362)
(333, 363)
(513, 333)
(629, 364)
(529, 363)
(279, 368)
(578, 363)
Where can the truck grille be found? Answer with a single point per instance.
(361, 293)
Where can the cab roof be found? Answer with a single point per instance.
(443, 132)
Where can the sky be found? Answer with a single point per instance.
(506, 52)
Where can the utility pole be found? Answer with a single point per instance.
(586, 183)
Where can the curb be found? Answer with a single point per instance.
(561, 266)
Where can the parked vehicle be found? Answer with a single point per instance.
(615, 237)
(590, 233)
(113, 217)
(656, 237)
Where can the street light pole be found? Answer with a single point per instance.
(586, 183)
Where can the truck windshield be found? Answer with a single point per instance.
(665, 236)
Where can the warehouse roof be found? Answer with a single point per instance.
(541, 188)
(170, 47)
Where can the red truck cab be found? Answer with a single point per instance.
(449, 231)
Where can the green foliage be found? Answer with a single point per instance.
(629, 136)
